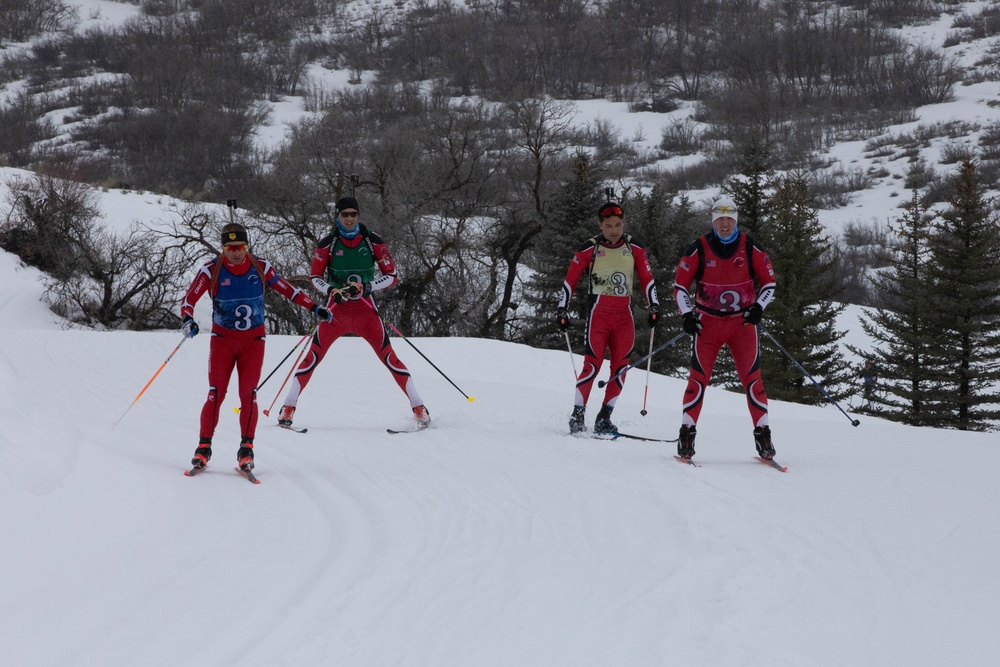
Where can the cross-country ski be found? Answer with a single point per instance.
(247, 475)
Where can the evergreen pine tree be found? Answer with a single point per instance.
(751, 191)
(802, 316)
(900, 325)
(571, 221)
(965, 279)
(666, 228)
(686, 224)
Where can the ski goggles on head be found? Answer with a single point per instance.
(724, 210)
(612, 211)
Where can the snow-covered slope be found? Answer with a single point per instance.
(22, 297)
(491, 539)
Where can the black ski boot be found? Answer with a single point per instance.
(685, 442)
(762, 438)
(603, 425)
(576, 420)
(203, 453)
(244, 456)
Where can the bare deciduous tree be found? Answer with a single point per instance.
(94, 277)
(21, 19)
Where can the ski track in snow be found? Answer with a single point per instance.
(491, 538)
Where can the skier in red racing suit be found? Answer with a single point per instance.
(236, 280)
(614, 260)
(343, 268)
(725, 264)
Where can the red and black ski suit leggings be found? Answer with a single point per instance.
(225, 353)
(360, 318)
(743, 342)
(609, 327)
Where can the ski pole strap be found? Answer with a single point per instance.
(854, 422)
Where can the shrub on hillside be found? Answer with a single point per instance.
(21, 127)
(22, 19)
(93, 276)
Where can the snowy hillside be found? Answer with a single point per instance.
(491, 539)
(973, 108)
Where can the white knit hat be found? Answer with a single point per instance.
(724, 207)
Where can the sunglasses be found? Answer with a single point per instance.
(236, 247)
(348, 214)
(611, 212)
(724, 209)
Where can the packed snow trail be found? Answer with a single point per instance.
(492, 538)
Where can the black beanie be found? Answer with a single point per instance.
(345, 203)
(234, 233)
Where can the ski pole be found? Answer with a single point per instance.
(400, 334)
(670, 342)
(267, 412)
(143, 390)
(854, 422)
(280, 364)
(569, 346)
(649, 365)
(290, 371)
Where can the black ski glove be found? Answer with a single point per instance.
(562, 318)
(354, 290)
(337, 295)
(753, 314)
(654, 316)
(189, 326)
(691, 323)
(322, 313)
